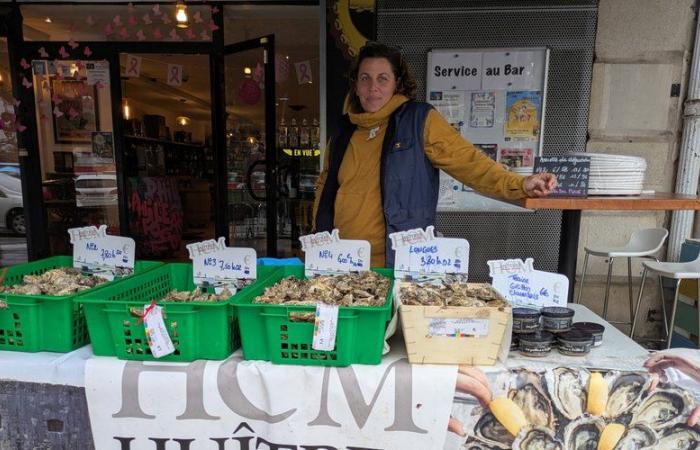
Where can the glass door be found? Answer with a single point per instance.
(253, 204)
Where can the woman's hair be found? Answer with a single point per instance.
(405, 83)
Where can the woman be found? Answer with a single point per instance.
(381, 170)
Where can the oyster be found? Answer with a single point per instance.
(197, 295)
(527, 392)
(664, 408)
(536, 438)
(637, 436)
(490, 431)
(625, 392)
(57, 282)
(568, 390)
(680, 437)
(446, 293)
(583, 433)
(475, 444)
(353, 289)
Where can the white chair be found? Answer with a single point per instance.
(643, 243)
(677, 271)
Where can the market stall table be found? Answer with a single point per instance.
(571, 217)
(361, 400)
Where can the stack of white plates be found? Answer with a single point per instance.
(525, 171)
(615, 174)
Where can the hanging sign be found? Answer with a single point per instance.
(522, 285)
(303, 70)
(133, 66)
(420, 253)
(174, 75)
(326, 253)
(96, 252)
(218, 266)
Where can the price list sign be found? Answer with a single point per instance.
(572, 173)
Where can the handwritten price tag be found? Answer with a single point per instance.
(96, 252)
(326, 253)
(522, 285)
(214, 264)
(325, 327)
(419, 252)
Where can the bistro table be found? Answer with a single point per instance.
(571, 217)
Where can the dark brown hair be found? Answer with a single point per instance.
(405, 83)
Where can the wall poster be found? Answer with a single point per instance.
(496, 99)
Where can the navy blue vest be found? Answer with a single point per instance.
(409, 182)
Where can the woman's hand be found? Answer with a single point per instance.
(540, 184)
(660, 361)
(470, 381)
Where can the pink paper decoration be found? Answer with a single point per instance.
(213, 26)
(16, 102)
(90, 20)
(249, 92)
(214, 9)
(25, 65)
(166, 20)
(57, 112)
(140, 35)
(131, 21)
(173, 34)
(147, 19)
(117, 20)
(189, 33)
(204, 35)
(72, 113)
(130, 7)
(99, 85)
(108, 29)
(87, 52)
(72, 44)
(62, 51)
(157, 34)
(123, 33)
(197, 17)
(42, 52)
(26, 83)
(19, 127)
(156, 10)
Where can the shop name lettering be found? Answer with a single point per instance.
(520, 287)
(323, 238)
(206, 247)
(223, 265)
(92, 232)
(231, 393)
(464, 71)
(341, 259)
(412, 237)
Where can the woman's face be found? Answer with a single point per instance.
(375, 83)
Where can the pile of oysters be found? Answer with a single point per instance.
(56, 282)
(351, 289)
(555, 405)
(197, 295)
(449, 293)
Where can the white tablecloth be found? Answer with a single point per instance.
(618, 351)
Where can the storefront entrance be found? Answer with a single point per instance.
(169, 138)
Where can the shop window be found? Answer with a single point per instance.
(13, 244)
(117, 22)
(76, 146)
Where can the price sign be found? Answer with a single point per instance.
(97, 253)
(419, 252)
(522, 285)
(218, 266)
(326, 253)
(572, 173)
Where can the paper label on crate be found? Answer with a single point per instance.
(326, 253)
(97, 253)
(216, 265)
(420, 253)
(157, 335)
(522, 285)
(325, 327)
(458, 327)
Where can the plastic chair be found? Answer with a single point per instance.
(643, 243)
(677, 271)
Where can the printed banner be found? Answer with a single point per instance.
(236, 404)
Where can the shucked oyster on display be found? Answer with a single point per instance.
(625, 391)
(490, 431)
(537, 438)
(679, 437)
(448, 293)
(352, 289)
(57, 282)
(567, 388)
(528, 392)
(583, 433)
(664, 408)
(637, 436)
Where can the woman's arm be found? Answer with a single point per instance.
(321, 182)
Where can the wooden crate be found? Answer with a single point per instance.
(424, 347)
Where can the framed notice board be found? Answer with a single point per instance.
(496, 98)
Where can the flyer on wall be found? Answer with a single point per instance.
(523, 114)
(516, 157)
(451, 105)
(483, 107)
(490, 150)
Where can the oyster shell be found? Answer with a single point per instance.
(680, 437)
(637, 436)
(490, 431)
(583, 433)
(197, 295)
(353, 289)
(536, 438)
(57, 282)
(625, 392)
(568, 390)
(664, 408)
(527, 391)
(447, 293)
(475, 444)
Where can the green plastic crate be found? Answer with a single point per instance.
(268, 333)
(199, 330)
(33, 323)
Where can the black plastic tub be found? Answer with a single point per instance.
(536, 344)
(595, 329)
(525, 320)
(575, 342)
(557, 319)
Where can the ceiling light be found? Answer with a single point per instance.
(247, 71)
(126, 110)
(183, 120)
(181, 15)
(48, 20)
